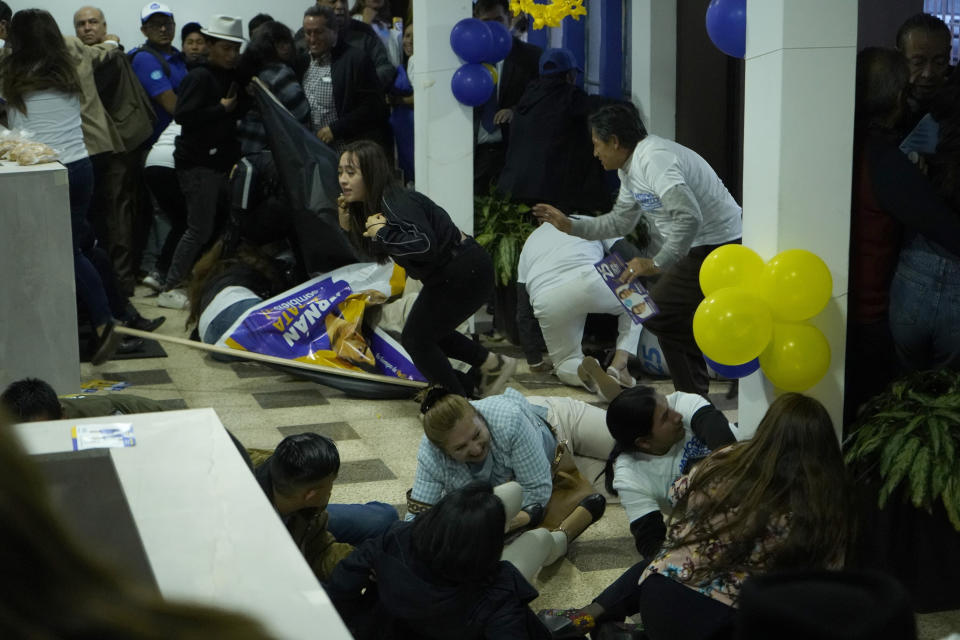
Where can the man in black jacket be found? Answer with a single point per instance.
(346, 102)
(491, 121)
(207, 146)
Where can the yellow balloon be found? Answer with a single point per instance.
(732, 326)
(796, 284)
(798, 356)
(493, 71)
(732, 265)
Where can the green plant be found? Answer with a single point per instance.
(502, 227)
(910, 435)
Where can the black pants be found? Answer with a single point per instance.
(677, 293)
(451, 296)
(165, 188)
(488, 162)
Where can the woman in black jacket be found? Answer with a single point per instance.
(385, 220)
(439, 576)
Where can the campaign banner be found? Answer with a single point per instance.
(321, 322)
(633, 296)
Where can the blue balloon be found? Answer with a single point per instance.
(472, 84)
(727, 26)
(502, 42)
(734, 370)
(471, 40)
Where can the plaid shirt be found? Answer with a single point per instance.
(318, 85)
(283, 84)
(519, 438)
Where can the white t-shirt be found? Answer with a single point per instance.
(53, 118)
(161, 154)
(643, 480)
(551, 258)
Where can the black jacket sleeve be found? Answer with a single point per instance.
(649, 532)
(198, 100)
(408, 230)
(362, 107)
(710, 425)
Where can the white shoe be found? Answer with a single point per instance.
(173, 299)
(623, 377)
(596, 380)
(495, 381)
(153, 280)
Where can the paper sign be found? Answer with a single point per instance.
(634, 297)
(103, 436)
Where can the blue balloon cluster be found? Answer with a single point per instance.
(727, 26)
(477, 42)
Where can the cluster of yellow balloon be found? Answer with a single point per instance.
(753, 315)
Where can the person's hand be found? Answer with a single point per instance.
(112, 36)
(548, 213)
(343, 213)
(638, 267)
(373, 224)
(229, 103)
(325, 135)
(504, 116)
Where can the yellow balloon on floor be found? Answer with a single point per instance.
(796, 284)
(798, 356)
(732, 326)
(732, 265)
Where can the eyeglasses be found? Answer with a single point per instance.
(160, 23)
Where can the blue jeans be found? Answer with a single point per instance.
(925, 307)
(354, 523)
(89, 286)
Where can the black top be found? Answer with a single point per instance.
(209, 134)
(407, 601)
(419, 234)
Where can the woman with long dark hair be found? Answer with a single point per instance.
(777, 502)
(43, 95)
(386, 221)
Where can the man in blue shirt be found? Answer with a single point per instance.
(159, 65)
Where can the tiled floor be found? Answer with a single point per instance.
(378, 441)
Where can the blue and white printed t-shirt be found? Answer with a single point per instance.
(643, 480)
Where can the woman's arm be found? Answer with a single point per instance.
(428, 485)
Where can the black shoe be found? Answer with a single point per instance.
(596, 504)
(618, 631)
(129, 345)
(143, 324)
(105, 345)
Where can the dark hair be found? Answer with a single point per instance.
(262, 49)
(189, 28)
(39, 59)
(320, 11)
(882, 77)
(31, 399)
(923, 21)
(302, 459)
(793, 469)
(460, 539)
(378, 178)
(621, 119)
(383, 14)
(482, 6)
(5, 11)
(629, 416)
(256, 21)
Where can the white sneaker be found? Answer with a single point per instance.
(623, 377)
(173, 299)
(495, 381)
(153, 280)
(596, 380)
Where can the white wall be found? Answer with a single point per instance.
(123, 16)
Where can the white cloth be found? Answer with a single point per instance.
(656, 166)
(643, 480)
(564, 286)
(53, 118)
(161, 154)
(223, 300)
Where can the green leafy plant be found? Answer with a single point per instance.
(910, 435)
(502, 227)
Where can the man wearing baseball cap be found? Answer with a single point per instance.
(159, 65)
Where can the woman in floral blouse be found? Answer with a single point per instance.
(776, 502)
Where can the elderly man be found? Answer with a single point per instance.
(924, 40)
(340, 82)
(361, 35)
(91, 26)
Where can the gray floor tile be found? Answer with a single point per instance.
(609, 553)
(173, 404)
(333, 430)
(253, 370)
(285, 399)
(145, 377)
(538, 380)
(373, 470)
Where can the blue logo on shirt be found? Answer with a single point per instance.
(156, 75)
(648, 201)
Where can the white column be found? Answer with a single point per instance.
(443, 128)
(798, 139)
(653, 64)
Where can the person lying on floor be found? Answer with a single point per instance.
(658, 438)
(34, 400)
(777, 502)
(510, 437)
(298, 478)
(440, 576)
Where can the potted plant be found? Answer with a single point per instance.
(904, 449)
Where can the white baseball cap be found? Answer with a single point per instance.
(152, 8)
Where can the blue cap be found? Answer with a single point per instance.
(558, 60)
